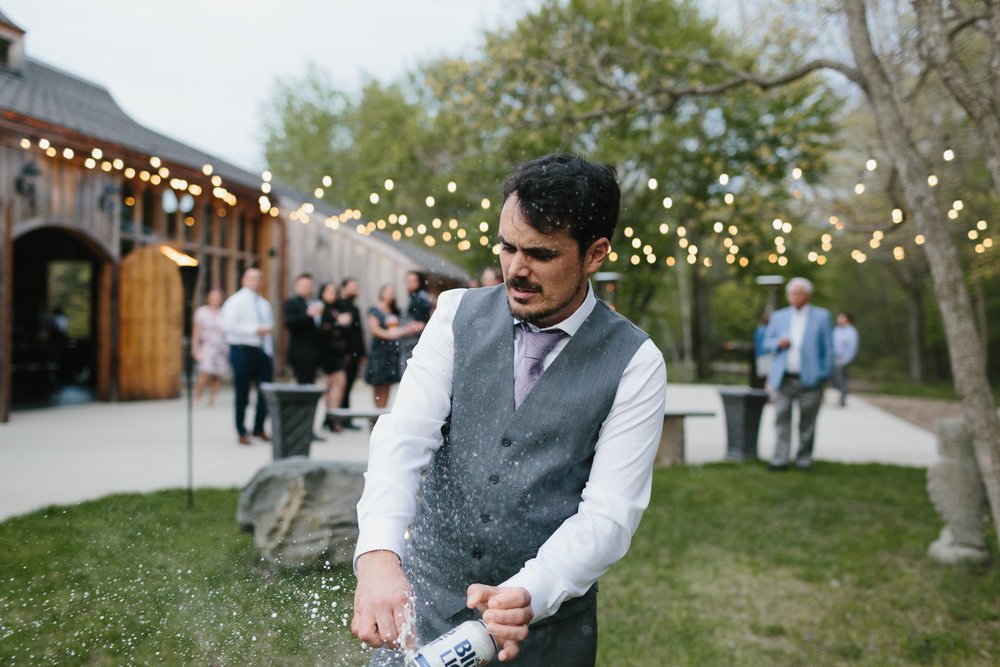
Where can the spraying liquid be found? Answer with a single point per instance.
(467, 645)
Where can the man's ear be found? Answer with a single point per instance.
(596, 254)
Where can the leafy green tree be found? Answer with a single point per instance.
(703, 179)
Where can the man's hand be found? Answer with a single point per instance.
(381, 601)
(506, 612)
(784, 343)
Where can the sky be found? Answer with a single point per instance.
(200, 70)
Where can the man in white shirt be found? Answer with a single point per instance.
(248, 321)
(800, 338)
(488, 494)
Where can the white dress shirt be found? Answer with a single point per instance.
(617, 491)
(800, 317)
(242, 314)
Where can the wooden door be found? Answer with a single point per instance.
(150, 326)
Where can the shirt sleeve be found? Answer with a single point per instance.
(617, 492)
(403, 441)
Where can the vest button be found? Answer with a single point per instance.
(494, 479)
(506, 442)
(485, 518)
(477, 553)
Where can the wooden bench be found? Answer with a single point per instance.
(670, 452)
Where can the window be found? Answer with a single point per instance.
(5, 45)
(239, 221)
(223, 223)
(148, 211)
(206, 223)
(129, 204)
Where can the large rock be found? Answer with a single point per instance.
(956, 489)
(303, 512)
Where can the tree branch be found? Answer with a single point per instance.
(965, 23)
(671, 94)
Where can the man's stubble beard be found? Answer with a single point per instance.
(535, 318)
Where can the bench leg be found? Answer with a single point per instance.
(671, 451)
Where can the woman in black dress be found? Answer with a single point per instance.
(383, 361)
(333, 332)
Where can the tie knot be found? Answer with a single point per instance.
(539, 343)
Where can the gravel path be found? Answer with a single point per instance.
(923, 412)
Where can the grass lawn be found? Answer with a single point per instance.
(732, 565)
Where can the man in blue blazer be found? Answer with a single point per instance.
(801, 338)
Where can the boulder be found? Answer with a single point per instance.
(303, 512)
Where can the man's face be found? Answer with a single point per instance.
(252, 279)
(412, 282)
(797, 296)
(545, 275)
(304, 287)
(842, 320)
(350, 290)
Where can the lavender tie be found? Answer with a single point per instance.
(537, 346)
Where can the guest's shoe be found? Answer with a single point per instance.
(260, 435)
(803, 465)
(244, 439)
(332, 425)
(349, 425)
(777, 467)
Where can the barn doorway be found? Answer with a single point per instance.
(57, 319)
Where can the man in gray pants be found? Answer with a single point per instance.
(800, 337)
(517, 460)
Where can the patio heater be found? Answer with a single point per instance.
(188, 267)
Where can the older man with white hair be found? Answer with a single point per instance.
(801, 338)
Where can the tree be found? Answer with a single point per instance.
(699, 177)
(870, 73)
(702, 179)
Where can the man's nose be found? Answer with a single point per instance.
(517, 266)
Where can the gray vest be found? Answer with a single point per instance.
(504, 480)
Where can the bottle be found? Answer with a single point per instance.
(466, 645)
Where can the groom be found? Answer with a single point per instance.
(517, 460)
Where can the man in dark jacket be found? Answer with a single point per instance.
(300, 320)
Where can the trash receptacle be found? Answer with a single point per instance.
(292, 408)
(743, 407)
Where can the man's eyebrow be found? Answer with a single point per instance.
(538, 251)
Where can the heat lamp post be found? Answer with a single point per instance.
(188, 267)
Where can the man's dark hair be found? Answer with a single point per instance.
(421, 279)
(560, 191)
(850, 318)
(303, 275)
(345, 281)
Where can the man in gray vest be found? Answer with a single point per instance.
(517, 460)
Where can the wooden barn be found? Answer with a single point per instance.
(89, 198)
